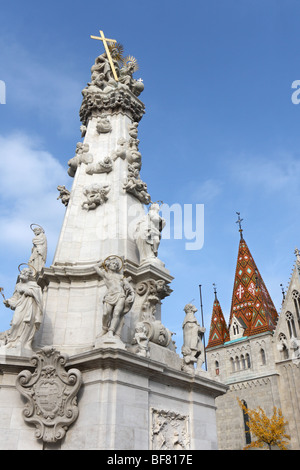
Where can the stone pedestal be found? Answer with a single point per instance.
(126, 403)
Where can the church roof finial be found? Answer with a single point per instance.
(239, 221)
(215, 291)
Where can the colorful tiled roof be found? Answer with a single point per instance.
(218, 333)
(251, 300)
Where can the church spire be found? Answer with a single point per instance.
(251, 301)
(218, 333)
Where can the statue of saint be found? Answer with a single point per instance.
(28, 311)
(118, 298)
(39, 250)
(193, 348)
(148, 233)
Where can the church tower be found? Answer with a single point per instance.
(242, 354)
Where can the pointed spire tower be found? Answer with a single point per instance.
(251, 302)
(106, 227)
(218, 332)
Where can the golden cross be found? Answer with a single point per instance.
(105, 40)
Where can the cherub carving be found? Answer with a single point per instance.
(96, 195)
(118, 298)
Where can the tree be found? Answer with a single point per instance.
(269, 431)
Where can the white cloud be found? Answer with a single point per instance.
(275, 174)
(28, 189)
(208, 190)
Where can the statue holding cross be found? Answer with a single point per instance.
(112, 70)
(104, 67)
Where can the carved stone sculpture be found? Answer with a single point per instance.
(141, 340)
(39, 250)
(50, 392)
(151, 292)
(135, 186)
(158, 333)
(128, 149)
(133, 130)
(82, 155)
(103, 125)
(28, 312)
(148, 233)
(125, 76)
(169, 430)
(104, 166)
(64, 195)
(101, 70)
(104, 93)
(193, 348)
(83, 130)
(96, 195)
(118, 298)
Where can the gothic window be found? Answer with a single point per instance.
(237, 362)
(217, 368)
(263, 356)
(296, 298)
(246, 421)
(248, 361)
(291, 324)
(243, 362)
(232, 364)
(235, 329)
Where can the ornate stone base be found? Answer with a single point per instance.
(126, 402)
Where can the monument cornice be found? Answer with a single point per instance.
(119, 100)
(67, 272)
(124, 360)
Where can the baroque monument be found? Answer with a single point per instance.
(88, 362)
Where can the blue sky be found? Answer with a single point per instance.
(220, 129)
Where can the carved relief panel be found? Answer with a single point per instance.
(169, 430)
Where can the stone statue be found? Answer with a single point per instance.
(193, 348)
(39, 250)
(28, 311)
(64, 195)
(118, 298)
(128, 150)
(148, 233)
(96, 195)
(125, 78)
(104, 166)
(82, 155)
(101, 70)
(142, 340)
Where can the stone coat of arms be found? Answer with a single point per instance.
(51, 394)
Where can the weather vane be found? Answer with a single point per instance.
(105, 41)
(239, 221)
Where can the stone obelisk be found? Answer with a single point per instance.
(105, 217)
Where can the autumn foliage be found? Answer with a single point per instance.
(267, 431)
